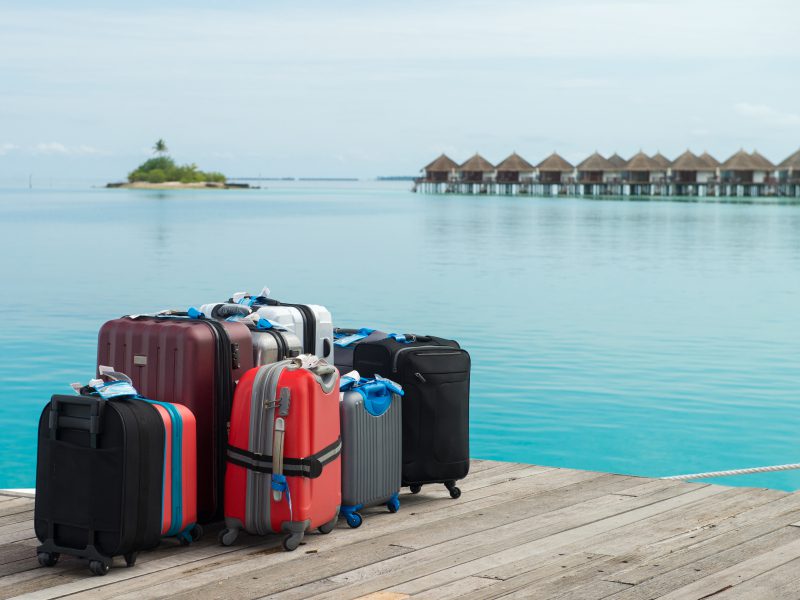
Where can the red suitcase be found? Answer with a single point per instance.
(179, 505)
(189, 361)
(284, 465)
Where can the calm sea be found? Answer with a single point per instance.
(640, 337)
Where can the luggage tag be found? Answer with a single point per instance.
(346, 340)
(392, 386)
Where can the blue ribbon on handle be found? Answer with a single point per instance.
(279, 484)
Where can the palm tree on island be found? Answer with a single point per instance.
(162, 171)
(160, 147)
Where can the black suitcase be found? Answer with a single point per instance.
(99, 480)
(434, 373)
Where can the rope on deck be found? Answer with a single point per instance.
(736, 472)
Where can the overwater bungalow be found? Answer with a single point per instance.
(476, 170)
(641, 172)
(555, 169)
(515, 169)
(745, 174)
(440, 170)
(789, 175)
(592, 175)
(691, 175)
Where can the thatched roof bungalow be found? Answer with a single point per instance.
(789, 169)
(555, 169)
(514, 168)
(643, 169)
(690, 168)
(743, 168)
(710, 160)
(440, 169)
(592, 169)
(477, 169)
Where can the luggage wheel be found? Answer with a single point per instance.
(415, 489)
(393, 505)
(196, 532)
(48, 559)
(130, 558)
(292, 541)
(329, 526)
(227, 536)
(455, 492)
(98, 567)
(354, 519)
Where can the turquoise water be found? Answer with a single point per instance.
(650, 338)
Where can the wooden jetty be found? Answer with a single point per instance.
(742, 175)
(517, 531)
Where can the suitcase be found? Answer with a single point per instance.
(312, 323)
(284, 464)
(100, 479)
(344, 343)
(372, 430)
(271, 342)
(189, 361)
(434, 374)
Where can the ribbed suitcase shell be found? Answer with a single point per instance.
(312, 424)
(175, 360)
(371, 451)
(266, 347)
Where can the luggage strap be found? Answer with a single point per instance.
(310, 467)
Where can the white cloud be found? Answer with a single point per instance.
(766, 114)
(57, 148)
(7, 147)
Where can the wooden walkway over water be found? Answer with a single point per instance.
(518, 531)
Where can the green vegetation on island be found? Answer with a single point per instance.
(163, 169)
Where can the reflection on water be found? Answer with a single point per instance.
(628, 336)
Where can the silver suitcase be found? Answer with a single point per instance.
(372, 431)
(271, 343)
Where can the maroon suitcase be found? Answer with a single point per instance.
(194, 362)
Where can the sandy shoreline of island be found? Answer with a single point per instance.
(177, 185)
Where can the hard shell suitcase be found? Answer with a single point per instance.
(372, 430)
(284, 464)
(312, 323)
(434, 373)
(271, 342)
(100, 486)
(190, 361)
(345, 341)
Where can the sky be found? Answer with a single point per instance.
(362, 89)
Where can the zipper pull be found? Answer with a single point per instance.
(420, 377)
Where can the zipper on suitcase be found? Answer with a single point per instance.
(439, 350)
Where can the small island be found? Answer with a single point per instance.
(161, 172)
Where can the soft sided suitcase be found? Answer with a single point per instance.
(284, 464)
(312, 323)
(434, 374)
(100, 479)
(372, 432)
(345, 341)
(271, 342)
(190, 361)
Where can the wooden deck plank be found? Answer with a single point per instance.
(518, 531)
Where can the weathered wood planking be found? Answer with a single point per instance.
(518, 531)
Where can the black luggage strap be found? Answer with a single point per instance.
(310, 467)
